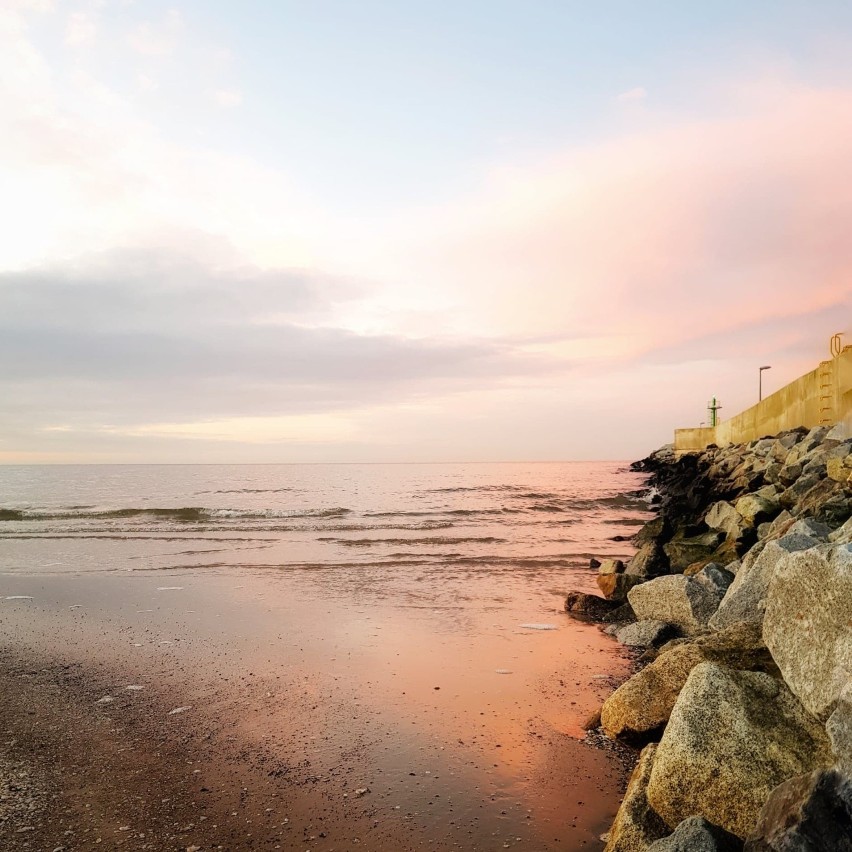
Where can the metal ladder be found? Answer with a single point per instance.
(826, 392)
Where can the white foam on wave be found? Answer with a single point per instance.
(539, 626)
(19, 597)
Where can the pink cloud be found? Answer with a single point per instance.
(671, 234)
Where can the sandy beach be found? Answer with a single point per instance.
(242, 711)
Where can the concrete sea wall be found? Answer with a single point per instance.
(820, 397)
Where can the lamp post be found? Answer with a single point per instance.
(760, 382)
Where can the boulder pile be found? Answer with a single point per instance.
(740, 599)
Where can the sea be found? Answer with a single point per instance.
(521, 520)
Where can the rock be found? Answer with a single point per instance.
(837, 470)
(725, 518)
(810, 813)
(780, 525)
(697, 567)
(745, 599)
(611, 566)
(649, 561)
(592, 607)
(593, 721)
(687, 602)
(790, 472)
(695, 834)
(811, 527)
(838, 432)
(732, 737)
(594, 563)
(636, 825)
(651, 531)
(808, 624)
(839, 730)
(843, 534)
(637, 711)
(682, 551)
(615, 587)
(798, 489)
(644, 634)
(756, 508)
(739, 646)
(827, 501)
(620, 615)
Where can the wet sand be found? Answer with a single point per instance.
(320, 714)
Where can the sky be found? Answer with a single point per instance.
(383, 231)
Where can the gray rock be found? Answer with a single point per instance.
(695, 834)
(798, 489)
(648, 561)
(843, 534)
(756, 508)
(725, 518)
(839, 729)
(645, 634)
(745, 600)
(732, 737)
(780, 525)
(590, 607)
(809, 813)
(828, 501)
(687, 602)
(790, 472)
(636, 825)
(683, 551)
(838, 432)
(808, 624)
(811, 527)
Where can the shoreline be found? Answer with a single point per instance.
(736, 601)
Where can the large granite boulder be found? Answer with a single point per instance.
(732, 737)
(695, 834)
(636, 825)
(745, 600)
(809, 813)
(687, 602)
(808, 624)
(638, 710)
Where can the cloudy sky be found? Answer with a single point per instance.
(382, 230)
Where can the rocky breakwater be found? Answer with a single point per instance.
(739, 601)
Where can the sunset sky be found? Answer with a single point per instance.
(412, 231)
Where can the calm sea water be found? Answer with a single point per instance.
(528, 518)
